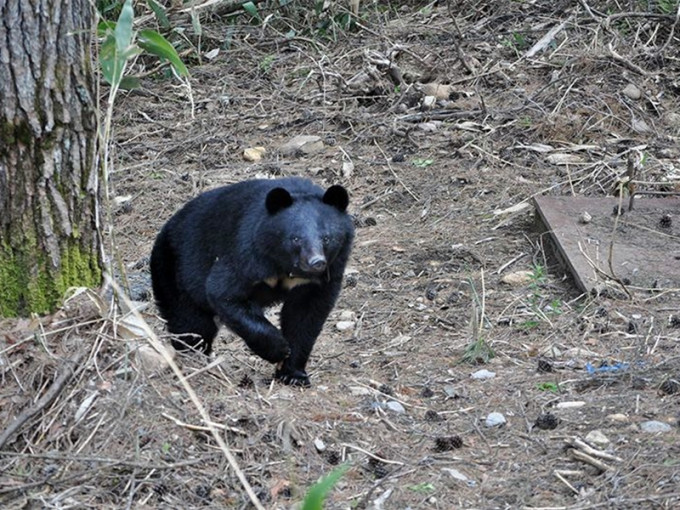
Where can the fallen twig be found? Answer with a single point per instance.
(54, 390)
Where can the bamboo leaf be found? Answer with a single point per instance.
(156, 44)
(318, 492)
(250, 8)
(159, 12)
(123, 30)
(105, 28)
(111, 70)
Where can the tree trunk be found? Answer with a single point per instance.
(49, 193)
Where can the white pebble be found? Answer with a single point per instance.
(395, 406)
(597, 438)
(495, 420)
(483, 374)
(345, 325)
(319, 445)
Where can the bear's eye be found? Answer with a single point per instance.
(325, 240)
(295, 240)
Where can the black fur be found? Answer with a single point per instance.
(235, 250)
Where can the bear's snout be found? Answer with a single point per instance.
(314, 264)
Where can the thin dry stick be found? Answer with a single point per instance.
(565, 482)
(387, 160)
(372, 455)
(578, 454)
(160, 348)
(54, 390)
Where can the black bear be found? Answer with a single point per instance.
(234, 250)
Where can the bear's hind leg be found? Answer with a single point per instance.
(196, 328)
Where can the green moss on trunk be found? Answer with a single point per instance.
(26, 289)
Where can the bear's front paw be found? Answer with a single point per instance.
(294, 378)
(275, 353)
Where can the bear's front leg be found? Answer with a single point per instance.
(304, 312)
(247, 320)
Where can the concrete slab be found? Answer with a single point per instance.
(646, 250)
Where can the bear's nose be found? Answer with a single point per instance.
(317, 263)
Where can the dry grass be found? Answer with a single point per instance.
(96, 430)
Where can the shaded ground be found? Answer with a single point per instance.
(437, 197)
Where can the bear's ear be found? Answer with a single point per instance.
(278, 199)
(337, 197)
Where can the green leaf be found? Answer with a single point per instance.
(319, 491)
(105, 28)
(156, 44)
(110, 65)
(422, 487)
(123, 30)
(548, 386)
(423, 163)
(159, 12)
(250, 8)
(196, 23)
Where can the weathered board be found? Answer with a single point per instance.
(645, 250)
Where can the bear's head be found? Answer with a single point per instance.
(305, 233)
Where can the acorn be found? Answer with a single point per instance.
(447, 443)
(546, 421)
(669, 387)
(544, 366)
(433, 416)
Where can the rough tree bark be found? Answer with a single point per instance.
(48, 167)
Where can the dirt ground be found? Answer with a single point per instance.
(448, 275)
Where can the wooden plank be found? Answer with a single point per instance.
(645, 254)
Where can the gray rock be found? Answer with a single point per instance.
(632, 91)
(302, 145)
(655, 426)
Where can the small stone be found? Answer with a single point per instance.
(347, 315)
(585, 218)
(319, 445)
(150, 360)
(618, 418)
(495, 420)
(483, 374)
(518, 277)
(437, 90)
(597, 438)
(454, 473)
(302, 145)
(395, 406)
(654, 426)
(450, 391)
(345, 325)
(428, 102)
(632, 92)
(254, 154)
(640, 126)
